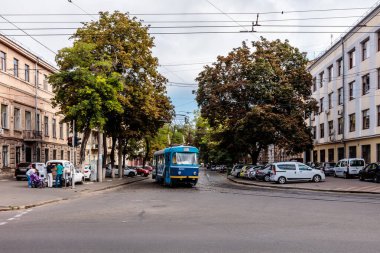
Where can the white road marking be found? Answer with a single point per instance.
(11, 219)
(3, 223)
(18, 215)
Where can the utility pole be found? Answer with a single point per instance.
(74, 153)
(100, 156)
(36, 127)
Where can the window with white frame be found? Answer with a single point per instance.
(16, 119)
(54, 128)
(365, 84)
(27, 73)
(28, 120)
(321, 79)
(3, 61)
(46, 83)
(340, 125)
(366, 122)
(352, 122)
(4, 116)
(5, 156)
(351, 59)
(15, 67)
(321, 105)
(330, 73)
(330, 100)
(339, 63)
(46, 125)
(351, 90)
(322, 130)
(61, 131)
(340, 96)
(331, 127)
(365, 51)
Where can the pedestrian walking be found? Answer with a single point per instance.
(58, 177)
(49, 171)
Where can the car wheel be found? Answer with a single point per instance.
(267, 178)
(82, 182)
(281, 180)
(345, 175)
(317, 179)
(18, 178)
(361, 178)
(131, 174)
(377, 179)
(335, 175)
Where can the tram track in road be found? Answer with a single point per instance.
(217, 183)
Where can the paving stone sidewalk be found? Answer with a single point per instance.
(17, 195)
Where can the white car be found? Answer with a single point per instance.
(129, 172)
(283, 172)
(348, 167)
(68, 168)
(87, 171)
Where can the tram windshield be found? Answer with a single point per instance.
(185, 158)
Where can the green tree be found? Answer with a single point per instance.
(260, 96)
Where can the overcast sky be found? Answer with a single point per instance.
(183, 55)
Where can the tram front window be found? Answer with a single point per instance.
(185, 158)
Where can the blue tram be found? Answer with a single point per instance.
(177, 164)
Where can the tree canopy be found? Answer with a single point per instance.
(258, 96)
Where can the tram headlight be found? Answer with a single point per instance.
(195, 173)
(179, 172)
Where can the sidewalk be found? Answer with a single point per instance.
(17, 195)
(331, 184)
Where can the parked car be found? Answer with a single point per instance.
(141, 171)
(147, 167)
(243, 171)
(283, 172)
(68, 169)
(22, 168)
(327, 168)
(87, 171)
(371, 171)
(236, 170)
(264, 173)
(252, 171)
(349, 167)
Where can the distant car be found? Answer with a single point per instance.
(243, 172)
(129, 172)
(264, 173)
(252, 171)
(349, 167)
(283, 172)
(147, 167)
(87, 171)
(371, 172)
(141, 171)
(327, 168)
(22, 168)
(236, 170)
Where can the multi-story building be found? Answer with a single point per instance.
(30, 129)
(346, 85)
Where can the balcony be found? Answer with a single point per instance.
(31, 135)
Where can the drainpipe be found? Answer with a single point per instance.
(344, 100)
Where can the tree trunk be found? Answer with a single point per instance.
(86, 136)
(100, 156)
(124, 151)
(112, 154)
(104, 150)
(147, 151)
(255, 155)
(120, 157)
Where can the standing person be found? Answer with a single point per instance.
(58, 177)
(49, 172)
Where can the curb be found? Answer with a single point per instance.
(300, 188)
(13, 208)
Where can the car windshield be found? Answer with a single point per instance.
(357, 163)
(185, 158)
(329, 165)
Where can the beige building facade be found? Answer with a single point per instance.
(30, 130)
(346, 85)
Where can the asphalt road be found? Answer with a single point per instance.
(215, 216)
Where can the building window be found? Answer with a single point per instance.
(62, 155)
(314, 132)
(352, 122)
(15, 67)
(330, 154)
(366, 153)
(61, 131)
(340, 125)
(322, 130)
(46, 125)
(339, 63)
(38, 151)
(17, 119)
(322, 155)
(4, 116)
(18, 155)
(378, 116)
(3, 61)
(378, 78)
(5, 156)
(68, 155)
(331, 127)
(351, 59)
(365, 84)
(46, 84)
(314, 84)
(352, 152)
(377, 152)
(340, 96)
(365, 114)
(321, 79)
(341, 153)
(27, 73)
(54, 128)
(351, 90)
(54, 154)
(28, 120)
(46, 155)
(321, 105)
(38, 122)
(365, 51)
(330, 100)
(330, 73)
